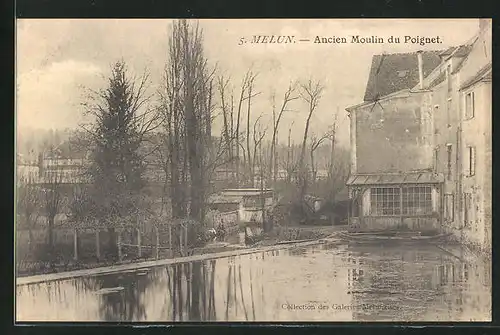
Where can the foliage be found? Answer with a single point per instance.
(186, 108)
(28, 202)
(121, 119)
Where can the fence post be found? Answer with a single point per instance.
(139, 249)
(75, 244)
(98, 244)
(170, 239)
(186, 238)
(119, 245)
(180, 239)
(157, 242)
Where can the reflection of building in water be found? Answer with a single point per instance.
(468, 288)
(418, 284)
(399, 283)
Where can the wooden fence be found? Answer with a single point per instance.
(94, 243)
(88, 243)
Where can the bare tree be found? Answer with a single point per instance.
(311, 94)
(222, 86)
(258, 136)
(28, 204)
(338, 165)
(244, 87)
(198, 107)
(52, 201)
(287, 98)
(250, 95)
(171, 106)
(289, 165)
(339, 171)
(315, 143)
(187, 112)
(229, 134)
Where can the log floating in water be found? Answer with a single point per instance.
(294, 241)
(377, 237)
(110, 290)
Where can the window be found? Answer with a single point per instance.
(417, 200)
(469, 105)
(471, 161)
(449, 112)
(449, 207)
(385, 201)
(468, 215)
(436, 158)
(448, 77)
(407, 200)
(251, 202)
(449, 152)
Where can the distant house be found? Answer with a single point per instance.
(26, 171)
(63, 163)
(247, 203)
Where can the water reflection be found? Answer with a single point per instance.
(322, 283)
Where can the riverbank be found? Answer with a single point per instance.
(276, 237)
(155, 263)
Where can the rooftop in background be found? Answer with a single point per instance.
(235, 195)
(394, 72)
(23, 160)
(483, 74)
(66, 150)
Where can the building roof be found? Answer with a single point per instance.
(402, 178)
(394, 72)
(244, 191)
(447, 52)
(438, 80)
(483, 74)
(220, 199)
(459, 54)
(461, 51)
(66, 150)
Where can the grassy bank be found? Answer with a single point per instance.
(279, 234)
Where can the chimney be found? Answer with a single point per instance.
(483, 24)
(420, 69)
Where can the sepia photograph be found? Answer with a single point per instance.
(253, 170)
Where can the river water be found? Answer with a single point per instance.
(328, 282)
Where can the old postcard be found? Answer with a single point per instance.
(253, 170)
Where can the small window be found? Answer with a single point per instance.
(469, 105)
(436, 159)
(449, 152)
(448, 77)
(402, 74)
(449, 112)
(449, 207)
(471, 161)
(468, 208)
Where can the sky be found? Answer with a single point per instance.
(56, 58)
